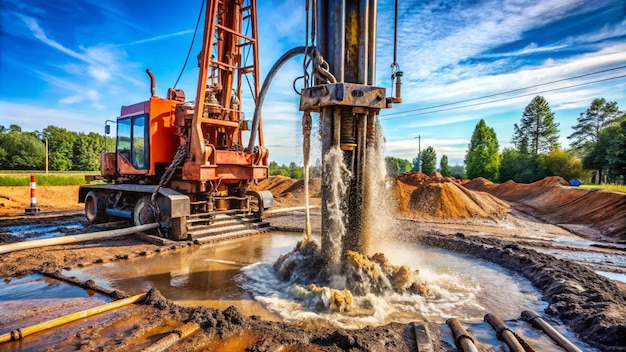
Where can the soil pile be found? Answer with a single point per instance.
(552, 199)
(16, 199)
(423, 197)
(288, 191)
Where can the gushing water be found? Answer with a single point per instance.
(379, 205)
(306, 150)
(336, 174)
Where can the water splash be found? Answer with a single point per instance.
(336, 175)
(306, 150)
(379, 203)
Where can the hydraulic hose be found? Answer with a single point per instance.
(300, 50)
(12, 247)
(18, 334)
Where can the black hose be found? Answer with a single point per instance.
(300, 50)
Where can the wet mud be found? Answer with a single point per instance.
(590, 305)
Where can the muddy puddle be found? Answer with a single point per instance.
(239, 273)
(35, 232)
(35, 298)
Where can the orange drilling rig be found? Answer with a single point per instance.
(184, 164)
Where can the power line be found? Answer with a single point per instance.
(494, 101)
(509, 91)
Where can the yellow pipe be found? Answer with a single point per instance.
(21, 333)
(75, 238)
(170, 340)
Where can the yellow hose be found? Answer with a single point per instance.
(75, 238)
(21, 333)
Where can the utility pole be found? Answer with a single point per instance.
(46, 156)
(419, 153)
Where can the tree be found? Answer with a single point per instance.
(396, 166)
(87, 150)
(517, 166)
(295, 171)
(564, 164)
(600, 115)
(415, 163)
(458, 171)
(482, 158)
(597, 117)
(60, 147)
(538, 133)
(429, 160)
(20, 150)
(616, 153)
(444, 168)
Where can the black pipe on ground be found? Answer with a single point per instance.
(538, 322)
(462, 339)
(503, 333)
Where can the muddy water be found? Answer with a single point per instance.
(33, 299)
(196, 276)
(240, 273)
(32, 232)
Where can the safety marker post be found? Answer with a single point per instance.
(32, 210)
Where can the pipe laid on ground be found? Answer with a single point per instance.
(503, 333)
(18, 246)
(537, 321)
(170, 340)
(89, 284)
(22, 332)
(286, 210)
(462, 339)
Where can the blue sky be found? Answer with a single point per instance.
(73, 64)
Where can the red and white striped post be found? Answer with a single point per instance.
(32, 210)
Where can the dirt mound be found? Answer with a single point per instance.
(555, 201)
(423, 197)
(289, 192)
(16, 199)
(275, 184)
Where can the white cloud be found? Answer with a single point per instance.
(158, 37)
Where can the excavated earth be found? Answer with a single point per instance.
(488, 221)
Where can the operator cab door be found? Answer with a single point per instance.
(133, 145)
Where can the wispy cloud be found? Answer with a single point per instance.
(103, 61)
(158, 37)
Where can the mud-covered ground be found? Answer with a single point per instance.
(590, 305)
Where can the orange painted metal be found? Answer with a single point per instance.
(164, 140)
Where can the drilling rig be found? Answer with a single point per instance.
(184, 164)
(348, 105)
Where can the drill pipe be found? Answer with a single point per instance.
(537, 321)
(462, 339)
(504, 333)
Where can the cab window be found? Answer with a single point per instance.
(132, 141)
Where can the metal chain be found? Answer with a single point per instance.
(181, 155)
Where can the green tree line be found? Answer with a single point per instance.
(598, 148)
(67, 150)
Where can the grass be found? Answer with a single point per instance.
(608, 186)
(22, 178)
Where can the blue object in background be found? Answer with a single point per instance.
(575, 182)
